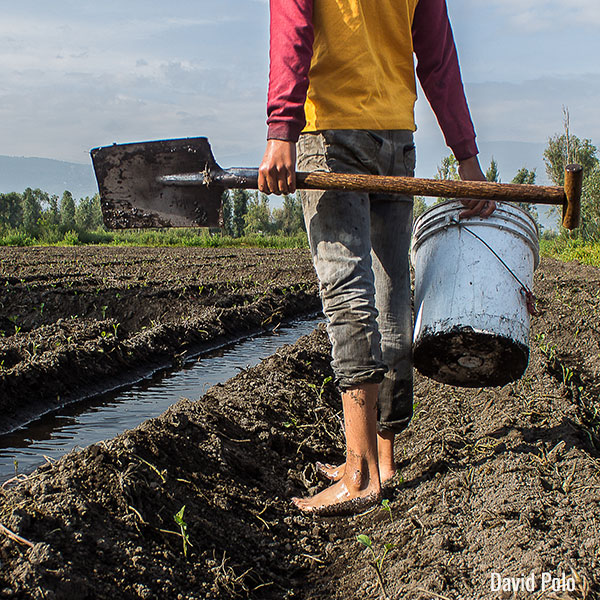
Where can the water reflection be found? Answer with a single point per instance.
(104, 417)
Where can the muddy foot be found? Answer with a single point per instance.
(338, 500)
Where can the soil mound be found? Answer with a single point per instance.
(495, 484)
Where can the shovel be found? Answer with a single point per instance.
(178, 183)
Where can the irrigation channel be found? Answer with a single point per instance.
(104, 416)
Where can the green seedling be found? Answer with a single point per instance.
(385, 505)
(178, 518)
(377, 563)
(115, 326)
(104, 309)
(319, 390)
(547, 349)
(567, 374)
(293, 422)
(365, 540)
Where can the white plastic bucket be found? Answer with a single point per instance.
(471, 278)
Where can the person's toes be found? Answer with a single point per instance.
(350, 506)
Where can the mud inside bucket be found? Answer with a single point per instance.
(471, 278)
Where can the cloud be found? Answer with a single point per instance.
(91, 75)
(64, 114)
(517, 115)
(531, 111)
(539, 15)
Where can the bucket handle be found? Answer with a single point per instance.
(529, 295)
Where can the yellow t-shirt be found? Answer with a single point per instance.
(362, 65)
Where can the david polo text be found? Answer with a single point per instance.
(531, 583)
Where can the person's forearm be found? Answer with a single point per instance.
(439, 73)
(291, 42)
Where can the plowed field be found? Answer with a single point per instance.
(496, 484)
(75, 321)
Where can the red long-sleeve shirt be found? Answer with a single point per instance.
(291, 53)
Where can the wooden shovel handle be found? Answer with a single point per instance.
(568, 197)
(411, 186)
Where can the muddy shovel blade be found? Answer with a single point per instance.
(133, 196)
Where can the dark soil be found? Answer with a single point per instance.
(496, 480)
(76, 320)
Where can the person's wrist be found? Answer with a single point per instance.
(469, 169)
(469, 161)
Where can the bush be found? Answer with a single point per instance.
(14, 237)
(71, 238)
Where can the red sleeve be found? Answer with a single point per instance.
(439, 73)
(291, 48)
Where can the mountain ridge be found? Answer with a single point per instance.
(48, 174)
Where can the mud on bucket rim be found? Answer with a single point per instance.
(472, 326)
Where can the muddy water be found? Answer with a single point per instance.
(104, 417)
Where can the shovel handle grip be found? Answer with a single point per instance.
(572, 203)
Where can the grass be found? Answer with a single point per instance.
(561, 248)
(202, 238)
(567, 250)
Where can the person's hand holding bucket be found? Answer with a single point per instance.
(469, 169)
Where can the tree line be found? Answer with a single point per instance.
(50, 219)
(46, 217)
(248, 213)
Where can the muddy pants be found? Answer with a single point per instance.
(359, 243)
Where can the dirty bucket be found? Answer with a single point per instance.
(473, 281)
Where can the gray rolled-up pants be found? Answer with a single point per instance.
(360, 243)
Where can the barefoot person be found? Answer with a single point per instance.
(342, 94)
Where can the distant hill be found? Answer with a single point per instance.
(52, 176)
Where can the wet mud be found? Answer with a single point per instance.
(494, 483)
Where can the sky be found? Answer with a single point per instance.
(76, 74)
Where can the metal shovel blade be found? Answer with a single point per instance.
(132, 194)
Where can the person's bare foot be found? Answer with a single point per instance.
(359, 486)
(350, 494)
